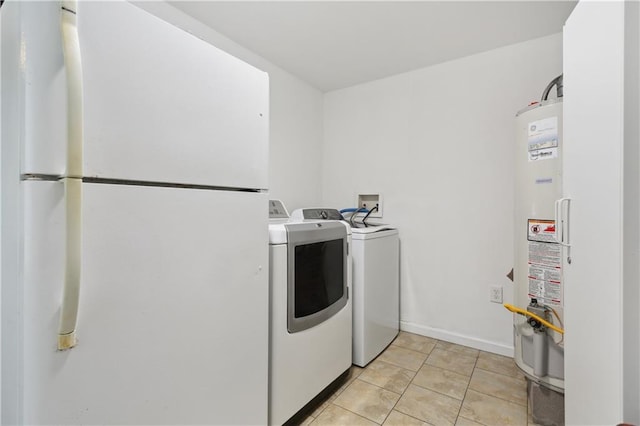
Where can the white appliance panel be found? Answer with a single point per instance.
(304, 363)
(173, 305)
(159, 104)
(42, 100)
(376, 293)
(599, 353)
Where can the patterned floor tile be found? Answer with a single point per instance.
(397, 418)
(415, 342)
(367, 400)
(510, 388)
(335, 415)
(458, 363)
(498, 364)
(459, 349)
(401, 357)
(490, 410)
(440, 380)
(388, 376)
(429, 406)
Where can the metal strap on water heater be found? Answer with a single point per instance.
(73, 177)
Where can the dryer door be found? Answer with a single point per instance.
(317, 273)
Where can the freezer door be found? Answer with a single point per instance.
(173, 321)
(32, 52)
(159, 104)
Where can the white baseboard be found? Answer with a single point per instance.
(460, 339)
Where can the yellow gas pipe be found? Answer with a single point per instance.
(526, 313)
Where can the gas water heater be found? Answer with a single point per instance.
(540, 240)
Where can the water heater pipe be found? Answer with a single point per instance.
(524, 312)
(559, 88)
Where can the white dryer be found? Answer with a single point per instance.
(310, 309)
(376, 290)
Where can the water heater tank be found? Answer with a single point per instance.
(538, 277)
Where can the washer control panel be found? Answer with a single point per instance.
(277, 210)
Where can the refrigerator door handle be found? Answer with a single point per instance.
(73, 177)
(562, 222)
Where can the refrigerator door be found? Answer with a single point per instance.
(159, 104)
(172, 323)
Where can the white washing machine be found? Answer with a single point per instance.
(310, 342)
(376, 290)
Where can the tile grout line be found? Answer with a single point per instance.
(380, 387)
(502, 374)
(331, 400)
(433, 390)
(497, 397)
(396, 403)
(440, 393)
(526, 404)
(444, 369)
(372, 384)
(467, 389)
(410, 382)
(359, 415)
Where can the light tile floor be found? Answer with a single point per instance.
(422, 381)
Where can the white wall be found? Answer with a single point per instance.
(438, 144)
(296, 117)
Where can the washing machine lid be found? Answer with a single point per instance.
(360, 228)
(384, 233)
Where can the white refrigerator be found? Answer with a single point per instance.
(134, 221)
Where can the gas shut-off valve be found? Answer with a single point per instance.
(536, 316)
(540, 312)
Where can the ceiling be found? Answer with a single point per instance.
(337, 44)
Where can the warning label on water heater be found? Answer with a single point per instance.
(541, 230)
(545, 272)
(542, 139)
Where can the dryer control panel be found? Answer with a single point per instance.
(316, 214)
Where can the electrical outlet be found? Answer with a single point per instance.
(495, 294)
